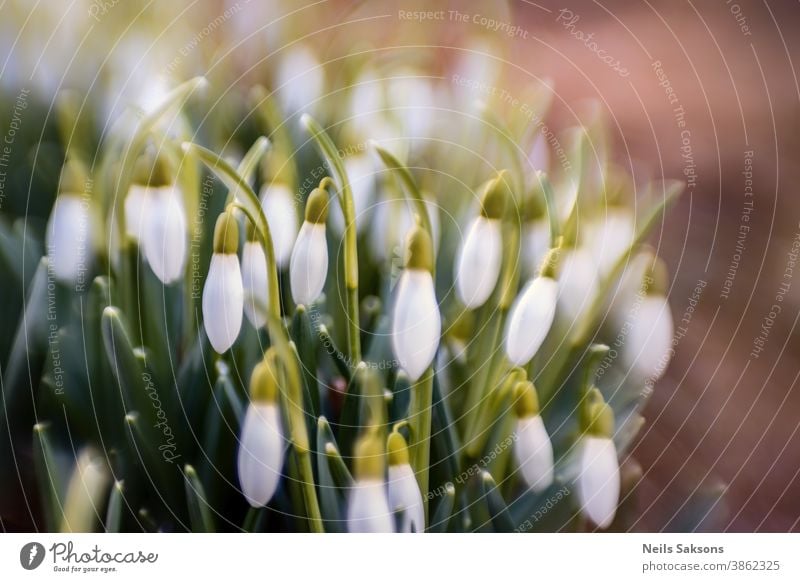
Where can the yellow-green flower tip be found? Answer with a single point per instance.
(600, 416)
(153, 168)
(527, 401)
(250, 231)
(493, 203)
(317, 207)
(264, 382)
(419, 250)
(369, 461)
(533, 207)
(397, 449)
(74, 178)
(549, 266)
(226, 234)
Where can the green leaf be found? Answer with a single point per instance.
(199, 510)
(331, 496)
(306, 347)
(444, 511)
(252, 158)
(501, 518)
(115, 504)
(52, 484)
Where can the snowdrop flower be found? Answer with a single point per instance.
(300, 80)
(223, 295)
(261, 444)
(648, 345)
(480, 256)
(368, 506)
(532, 314)
(417, 325)
(609, 236)
(309, 265)
(155, 216)
(404, 494)
(598, 481)
(279, 207)
(532, 449)
(577, 283)
(254, 280)
(69, 230)
(361, 172)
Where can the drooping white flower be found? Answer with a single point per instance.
(533, 450)
(417, 324)
(530, 319)
(223, 294)
(577, 284)
(368, 505)
(404, 494)
(609, 236)
(300, 80)
(534, 245)
(69, 230)
(648, 344)
(480, 255)
(361, 173)
(135, 210)
(254, 283)
(309, 265)
(165, 236)
(261, 444)
(279, 207)
(598, 479)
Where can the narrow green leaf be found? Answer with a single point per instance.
(501, 518)
(339, 471)
(52, 484)
(199, 510)
(444, 511)
(115, 504)
(331, 497)
(252, 158)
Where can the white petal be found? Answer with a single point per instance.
(577, 284)
(609, 237)
(404, 495)
(165, 234)
(530, 319)
(479, 262)
(281, 211)
(135, 213)
(534, 453)
(260, 458)
(599, 481)
(368, 508)
(223, 301)
(417, 324)
(648, 345)
(69, 243)
(535, 244)
(361, 173)
(300, 80)
(254, 283)
(309, 265)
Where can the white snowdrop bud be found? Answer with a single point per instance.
(648, 345)
(368, 505)
(223, 294)
(609, 236)
(254, 283)
(155, 216)
(532, 315)
(417, 324)
(404, 494)
(598, 481)
(69, 230)
(309, 265)
(300, 80)
(480, 256)
(261, 445)
(533, 450)
(577, 284)
(279, 208)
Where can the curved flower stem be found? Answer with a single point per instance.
(246, 201)
(328, 151)
(265, 104)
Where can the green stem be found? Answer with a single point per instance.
(420, 423)
(329, 152)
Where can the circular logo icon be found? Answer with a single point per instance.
(31, 555)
